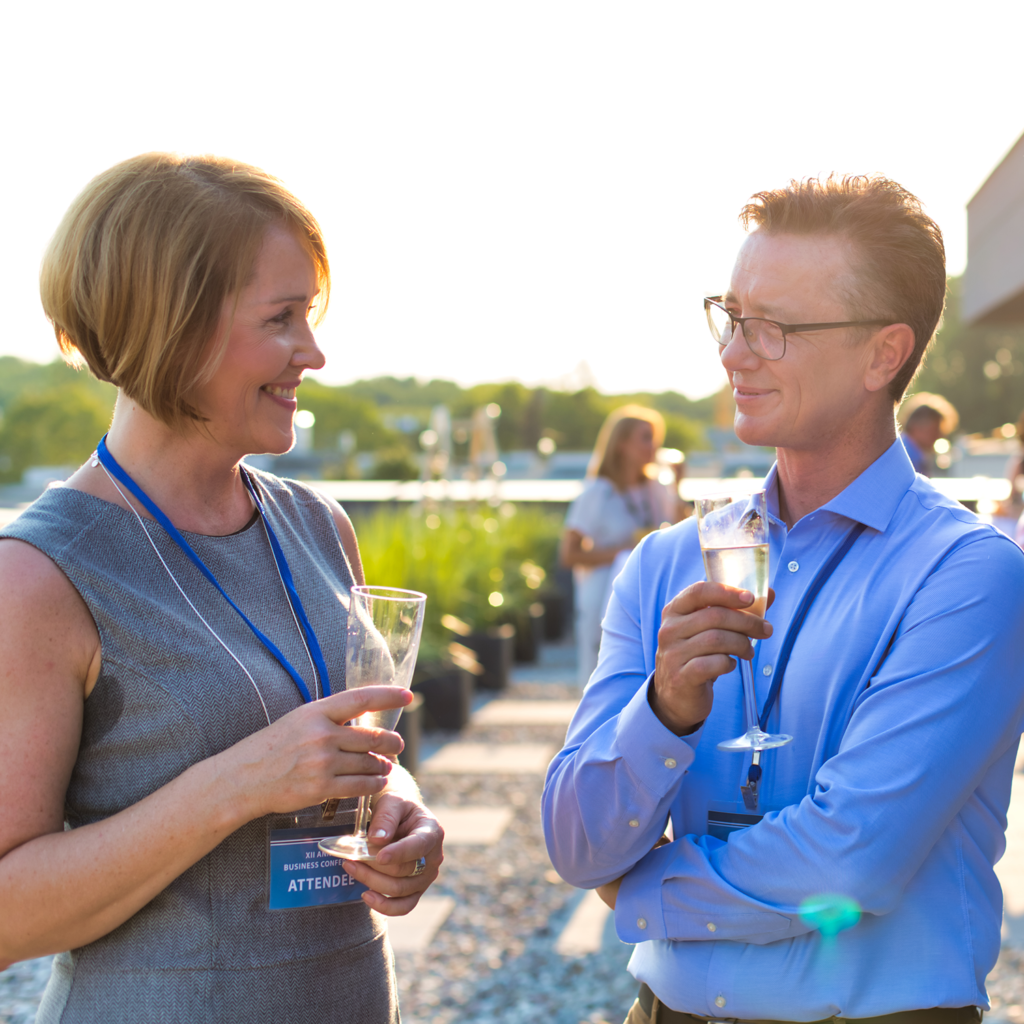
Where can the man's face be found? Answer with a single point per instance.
(807, 399)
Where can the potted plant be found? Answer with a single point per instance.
(446, 684)
(480, 565)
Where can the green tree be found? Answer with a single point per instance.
(57, 427)
(979, 369)
(573, 419)
(337, 409)
(19, 377)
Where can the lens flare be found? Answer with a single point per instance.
(830, 913)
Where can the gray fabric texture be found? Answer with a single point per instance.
(207, 948)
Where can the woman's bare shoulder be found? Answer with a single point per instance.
(43, 612)
(29, 570)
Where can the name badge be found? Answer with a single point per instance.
(302, 875)
(726, 818)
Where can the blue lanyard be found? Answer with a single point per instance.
(798, 619)
(111, 464)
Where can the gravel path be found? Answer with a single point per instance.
(493, 960)
(21, 988)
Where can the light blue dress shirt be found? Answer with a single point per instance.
(904, 695)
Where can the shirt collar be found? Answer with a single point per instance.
(872, 498)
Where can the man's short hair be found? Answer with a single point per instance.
(135, 279)
(897, 256)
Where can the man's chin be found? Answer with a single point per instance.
(750, 430)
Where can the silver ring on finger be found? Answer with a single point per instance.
(421, 866)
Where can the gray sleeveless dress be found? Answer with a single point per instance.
(207, 949)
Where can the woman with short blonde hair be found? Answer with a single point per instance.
(172, 653)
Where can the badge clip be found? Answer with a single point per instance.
(749, 791)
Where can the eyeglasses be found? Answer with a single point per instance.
(765, 338)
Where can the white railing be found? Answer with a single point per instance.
(983, 489)
(976, 488)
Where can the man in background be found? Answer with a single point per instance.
(926, 419)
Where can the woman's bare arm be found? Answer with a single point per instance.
(576, 549)
(61, 890)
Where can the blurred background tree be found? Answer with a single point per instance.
(979, 369)
(57, 427)
(51, 414)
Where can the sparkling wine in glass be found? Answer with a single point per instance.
(384, 627)
(734, 542)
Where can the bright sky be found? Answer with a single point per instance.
(508, 189)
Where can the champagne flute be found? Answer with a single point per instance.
(384, 627)
(734, 543)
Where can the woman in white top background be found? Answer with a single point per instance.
(622, 502)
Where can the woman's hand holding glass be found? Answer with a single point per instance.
(407, 835)
(311, 754)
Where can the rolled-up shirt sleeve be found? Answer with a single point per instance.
(945, 705)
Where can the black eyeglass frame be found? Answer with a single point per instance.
(716, 300)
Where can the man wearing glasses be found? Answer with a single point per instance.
(849, 874)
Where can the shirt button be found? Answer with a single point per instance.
(719, 1001)
(793, 566)
(633, 823)
(767, 670)
(641, 923)
(712, 927)
(670, 762)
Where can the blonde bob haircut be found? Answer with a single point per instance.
(136, 278)
(607, 457)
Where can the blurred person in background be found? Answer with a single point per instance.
(1012, 509)
(926, 419)
(622, 502)
(167, 747)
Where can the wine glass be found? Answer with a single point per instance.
(734, 543)
(384, 627)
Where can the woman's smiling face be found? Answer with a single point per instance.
(249, 402)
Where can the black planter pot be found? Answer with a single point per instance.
(409, 728)
(529, 625)
(554, 613)
(447, 695)
(564, 584)
(495, 650)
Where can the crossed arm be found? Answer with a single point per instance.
(945, 707)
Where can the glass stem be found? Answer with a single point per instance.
(749, 696)
(362, 817)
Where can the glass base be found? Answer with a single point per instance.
(348, 847)
(755, 740)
